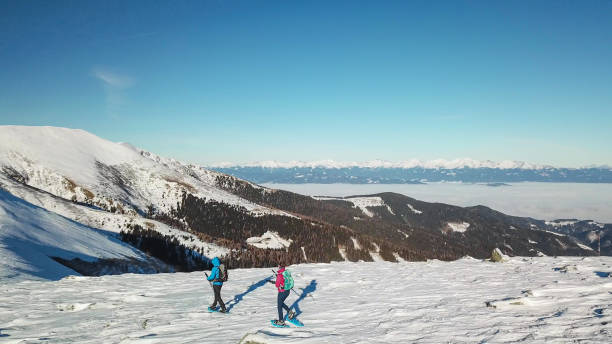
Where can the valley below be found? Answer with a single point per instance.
(548, 201)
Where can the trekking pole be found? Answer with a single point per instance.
(209, 282)
(296, 293)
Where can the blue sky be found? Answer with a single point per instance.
(242, 81)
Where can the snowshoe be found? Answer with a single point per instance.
(295, 322)
(277, 323)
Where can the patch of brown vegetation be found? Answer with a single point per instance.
(88, 194)
(69, 184)
(187, 186)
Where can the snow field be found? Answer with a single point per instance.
(271, 240)
(111, 222)
(30, 236)
(460, 227)
(363, 203)
(536, 300)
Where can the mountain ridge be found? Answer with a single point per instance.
(405, 164)
(185, 214)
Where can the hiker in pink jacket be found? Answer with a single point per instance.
(282, 295)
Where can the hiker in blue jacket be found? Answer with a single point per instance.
(217, 284)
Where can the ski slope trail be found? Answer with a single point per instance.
(535, 300)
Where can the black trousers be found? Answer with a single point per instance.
(217, 290)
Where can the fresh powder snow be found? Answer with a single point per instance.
(535, 300)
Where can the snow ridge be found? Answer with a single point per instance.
(74, 164)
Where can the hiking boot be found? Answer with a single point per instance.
(291, 315)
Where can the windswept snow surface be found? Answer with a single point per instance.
(269, 240)
(535, 300)
(30, 236)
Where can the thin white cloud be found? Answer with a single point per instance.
(114, 89)
(113, 79)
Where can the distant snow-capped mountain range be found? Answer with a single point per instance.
(413, 163)
(407, 164)
(411, 171)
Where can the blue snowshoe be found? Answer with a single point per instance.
(291, 317)
(277, 323)
(295, 322)
(216, 309)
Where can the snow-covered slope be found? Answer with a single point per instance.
(77, 165)
(30, 236)
(108, 221)
(524, 300)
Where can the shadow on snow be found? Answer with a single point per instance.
(238, 297)
(306, 291)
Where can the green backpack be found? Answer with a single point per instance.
(288, 280)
